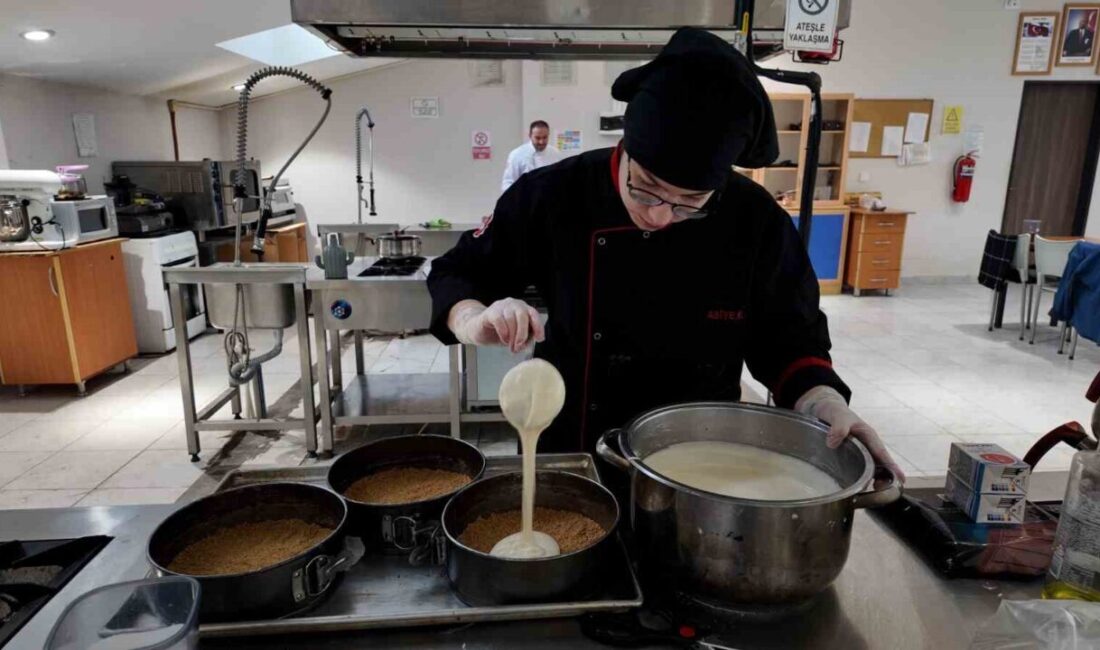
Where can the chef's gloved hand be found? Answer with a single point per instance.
(824, 403)
(509, 322)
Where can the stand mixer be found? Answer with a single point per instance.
(26, 219)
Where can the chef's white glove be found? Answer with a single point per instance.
(509, 322)
(824, 403)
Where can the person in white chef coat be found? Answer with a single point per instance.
(534, 153)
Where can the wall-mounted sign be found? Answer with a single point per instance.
(569, 140)
(481, 145)
(424, 107)
(952, 120)
(810, 26)
(1036, 32)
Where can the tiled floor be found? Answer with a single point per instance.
(922, 367)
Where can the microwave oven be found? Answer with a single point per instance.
(91, 218)
(202, 189)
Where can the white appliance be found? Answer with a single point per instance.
(91, 218)
(145, 261)
(35, 189)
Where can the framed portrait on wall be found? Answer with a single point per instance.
(1077, 41)
(1036, 34)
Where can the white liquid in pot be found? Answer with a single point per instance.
(743, 471)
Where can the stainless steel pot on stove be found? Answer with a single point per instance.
(14, 222)
(397, 245)
(742, 552)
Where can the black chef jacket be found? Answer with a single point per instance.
(642, 319)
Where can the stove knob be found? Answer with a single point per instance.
(340, 309)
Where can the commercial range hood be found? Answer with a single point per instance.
(534, 29)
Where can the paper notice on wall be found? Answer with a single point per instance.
(973, 138)
(486, 72)
(559, 73)
(424, 107)
(569, 140)
(860, 136)
(915, 127)
(84, 129)
(892, 137)
(916, 153)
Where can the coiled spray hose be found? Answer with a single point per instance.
(239, 190)
(359, 160)
(242, 367)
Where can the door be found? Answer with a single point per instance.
(34, 348)
(94, 287)
(1054, 162)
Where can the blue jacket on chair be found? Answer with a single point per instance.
(1078, 299)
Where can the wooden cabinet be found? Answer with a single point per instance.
(66, 314)
(875, 244)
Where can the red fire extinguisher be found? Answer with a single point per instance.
(962, 177)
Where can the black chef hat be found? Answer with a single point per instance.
(695, 110)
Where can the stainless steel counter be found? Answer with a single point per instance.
(886, 597)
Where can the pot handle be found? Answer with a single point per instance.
(883, 496)
(318, 574)
(610, 455)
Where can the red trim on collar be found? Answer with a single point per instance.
(615, 156)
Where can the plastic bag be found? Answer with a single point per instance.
(1041, 625)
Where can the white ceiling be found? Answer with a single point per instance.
(150, 47)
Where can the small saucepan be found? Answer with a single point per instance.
(482, 579)
(397, 245)
(291, 586)
(405, 528)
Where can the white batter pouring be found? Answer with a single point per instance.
(743, 471)
(531, 396)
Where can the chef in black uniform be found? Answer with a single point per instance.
(661, 268)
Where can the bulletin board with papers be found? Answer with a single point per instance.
(888, 124)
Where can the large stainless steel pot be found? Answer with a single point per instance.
(14, 222)
(742, 552)
(397, 245)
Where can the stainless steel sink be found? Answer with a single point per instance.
(267, 305)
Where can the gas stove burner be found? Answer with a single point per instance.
(32, 571)
(393, 266)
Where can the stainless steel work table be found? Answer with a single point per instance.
(886, 597)
(391, 303)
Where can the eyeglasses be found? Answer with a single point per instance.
(650, 199)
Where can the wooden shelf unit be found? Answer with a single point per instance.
(791, 108)
(875, 244)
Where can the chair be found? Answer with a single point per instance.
(1024, 273)
(1050, 262)
(997, 259)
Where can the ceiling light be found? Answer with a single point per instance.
(38, 34)
(238, 87)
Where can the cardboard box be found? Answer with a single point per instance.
(988, 468)
(986, 508)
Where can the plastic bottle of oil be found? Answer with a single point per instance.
(1075, 565)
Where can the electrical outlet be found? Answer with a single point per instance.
(864, 177)
(1012, 4)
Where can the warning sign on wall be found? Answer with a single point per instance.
(481, 145)
(810, 25)
(952, 119)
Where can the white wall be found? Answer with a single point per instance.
(953, 52)
(423, 167)
(38, 131)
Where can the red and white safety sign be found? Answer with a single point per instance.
(481, 145)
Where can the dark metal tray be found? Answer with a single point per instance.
(386, 592)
